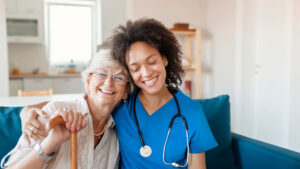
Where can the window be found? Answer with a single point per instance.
(70, 32)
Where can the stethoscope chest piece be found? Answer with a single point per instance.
(145, 151)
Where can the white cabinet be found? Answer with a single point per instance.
(60, 85)
(30, 6)
(14, 86)
(24, 6)
(68, 85)
(32, 84)
(10, 6)
(24, 21)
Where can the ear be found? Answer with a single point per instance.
(165, 61)
(87, 83)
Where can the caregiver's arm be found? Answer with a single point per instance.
(29, 118)
(197, 161)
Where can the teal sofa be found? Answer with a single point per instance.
(234, 151)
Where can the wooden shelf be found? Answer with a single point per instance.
(186, 33)
(189, 68)
(195, 62)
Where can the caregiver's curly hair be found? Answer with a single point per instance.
(158, 36)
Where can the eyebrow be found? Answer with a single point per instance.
(119, 71)
(132, 64)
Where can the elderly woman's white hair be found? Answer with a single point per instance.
(104, 58)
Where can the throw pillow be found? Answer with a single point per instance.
(10, 129)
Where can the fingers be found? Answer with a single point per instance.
(33, 128)
(26, 138)
(74, 120)
(41, 113)
(27, 114)
(37, 124)
(29, 117)
(32, 133)
(78, 126)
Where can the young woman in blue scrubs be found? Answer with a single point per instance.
(151, 53)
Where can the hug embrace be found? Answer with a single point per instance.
(132, 114)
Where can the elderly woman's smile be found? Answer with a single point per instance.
(106, 91)
(107, 85)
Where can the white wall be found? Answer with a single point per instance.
(256, 53)
(294, 117)
(113, 14)
(27, 57)
(3, 52)
(169, 12)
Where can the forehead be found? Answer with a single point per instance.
(140, 51)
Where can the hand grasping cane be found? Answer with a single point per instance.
(73, 139)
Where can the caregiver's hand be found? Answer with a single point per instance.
(31, 126)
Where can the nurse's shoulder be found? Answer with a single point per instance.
(124, 106)
(187, 103)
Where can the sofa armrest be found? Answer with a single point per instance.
(251, 153)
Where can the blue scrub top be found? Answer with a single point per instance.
(154, 130)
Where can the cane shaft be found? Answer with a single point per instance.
(73, 139)
(73, 149)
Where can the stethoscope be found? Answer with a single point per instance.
(146, 150)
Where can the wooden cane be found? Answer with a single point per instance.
(73, 139)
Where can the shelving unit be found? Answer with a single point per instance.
(194, 63)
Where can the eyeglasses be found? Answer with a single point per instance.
(119, 79)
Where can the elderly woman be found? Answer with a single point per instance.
(106, 84)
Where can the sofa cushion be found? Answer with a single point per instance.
(10, 130)
(217, 111)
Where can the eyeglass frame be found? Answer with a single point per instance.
(114, 76)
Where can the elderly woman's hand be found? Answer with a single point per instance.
(75, 121)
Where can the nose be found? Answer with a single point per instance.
(145, 71)
(109, 81)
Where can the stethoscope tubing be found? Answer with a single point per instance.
(170, 127)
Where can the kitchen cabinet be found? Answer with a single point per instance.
(14, 86)
(68, 85)
(60, 85)
(33, 84)
(24, 7)
(24, 21)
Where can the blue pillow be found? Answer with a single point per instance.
(10, 128)
(217, 111)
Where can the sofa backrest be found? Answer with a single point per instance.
(217, 111)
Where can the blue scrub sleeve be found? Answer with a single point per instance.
(202, 138)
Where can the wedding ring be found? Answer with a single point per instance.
(64, 109)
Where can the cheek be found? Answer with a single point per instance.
(134, 76)
(94, 84)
